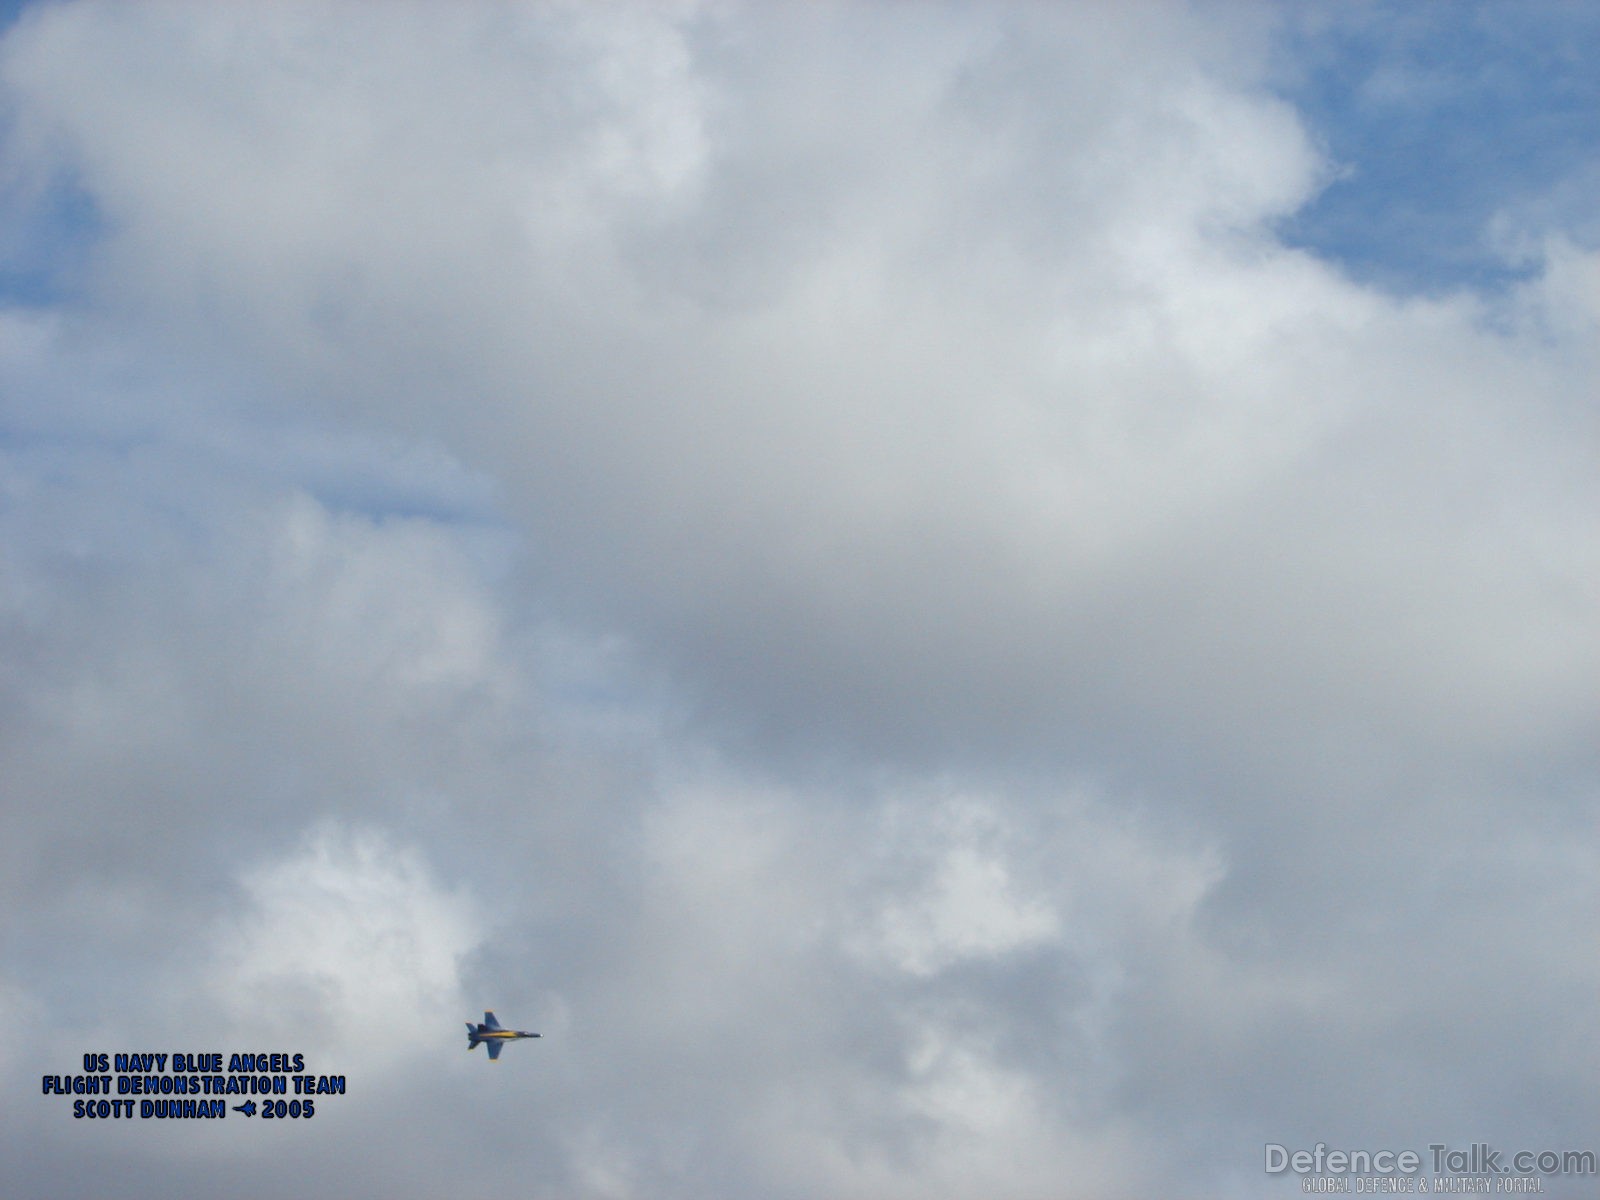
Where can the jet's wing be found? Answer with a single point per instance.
(494, 1048)
(489, 1021)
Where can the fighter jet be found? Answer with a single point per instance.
(492, 1036)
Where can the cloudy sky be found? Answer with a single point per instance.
(953, 600)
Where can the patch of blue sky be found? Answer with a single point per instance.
(10, 10)
(47, 226)
(72, 398)
(122, 500)
(1461, 134)
(46, 236)
(382, 479)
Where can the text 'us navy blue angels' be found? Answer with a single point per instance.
(491, 1035)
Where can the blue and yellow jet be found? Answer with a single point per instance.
(491, 1035)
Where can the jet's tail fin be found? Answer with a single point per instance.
(472, 1036)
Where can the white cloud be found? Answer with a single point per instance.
(636, 457)
(969, 910)
(349, 948)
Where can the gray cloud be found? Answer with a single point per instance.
(831, 560)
